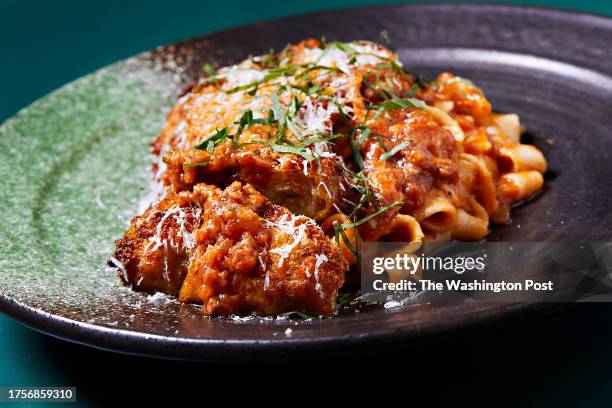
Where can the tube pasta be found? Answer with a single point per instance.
(397, 275)
(523, 157)
(471, 226)
(405, 228)
(521, 185)
(324, 196)
(485, 186)
(510, 125)
(477, 142)
(438, 214)
(492, 165)
(447, 121)
(431, 236)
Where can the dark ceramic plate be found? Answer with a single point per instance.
(74, 165)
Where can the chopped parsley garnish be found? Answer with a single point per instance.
(357, 143)
(190, 165)
(397, 104)
(342, 47)
(209, 69)
(396, 149)
(401, 103)
(370, 216)
(384, 38)
(217, 138)
(291, 149)
(342, 300)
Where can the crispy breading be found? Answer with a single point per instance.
(154, 250)
(235, 252)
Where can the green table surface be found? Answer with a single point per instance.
(564, 359)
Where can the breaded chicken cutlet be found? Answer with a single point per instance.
(233, 251)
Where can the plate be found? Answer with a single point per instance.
(74, 165)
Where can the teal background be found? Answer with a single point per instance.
(565, 359)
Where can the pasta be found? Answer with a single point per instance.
(471, 225)
(523, 157)
(438, 214)
(404, 228)
(521, 185)
(274, 172)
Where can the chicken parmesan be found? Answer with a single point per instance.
(273, 171)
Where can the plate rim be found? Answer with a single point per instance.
(274, 349)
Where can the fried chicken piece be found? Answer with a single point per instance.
(154, 253)
(233, 251)
(313, 189)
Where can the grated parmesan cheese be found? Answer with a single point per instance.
(321, 258)
(237, 76)
(286, 224)
(286, 249)
(316, 118)
(120, 266)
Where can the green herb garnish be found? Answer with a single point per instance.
(190, 165)
(374, 214)
(209, 69)
(217, 137)
(396, 149)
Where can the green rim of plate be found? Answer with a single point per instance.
(74, 166)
